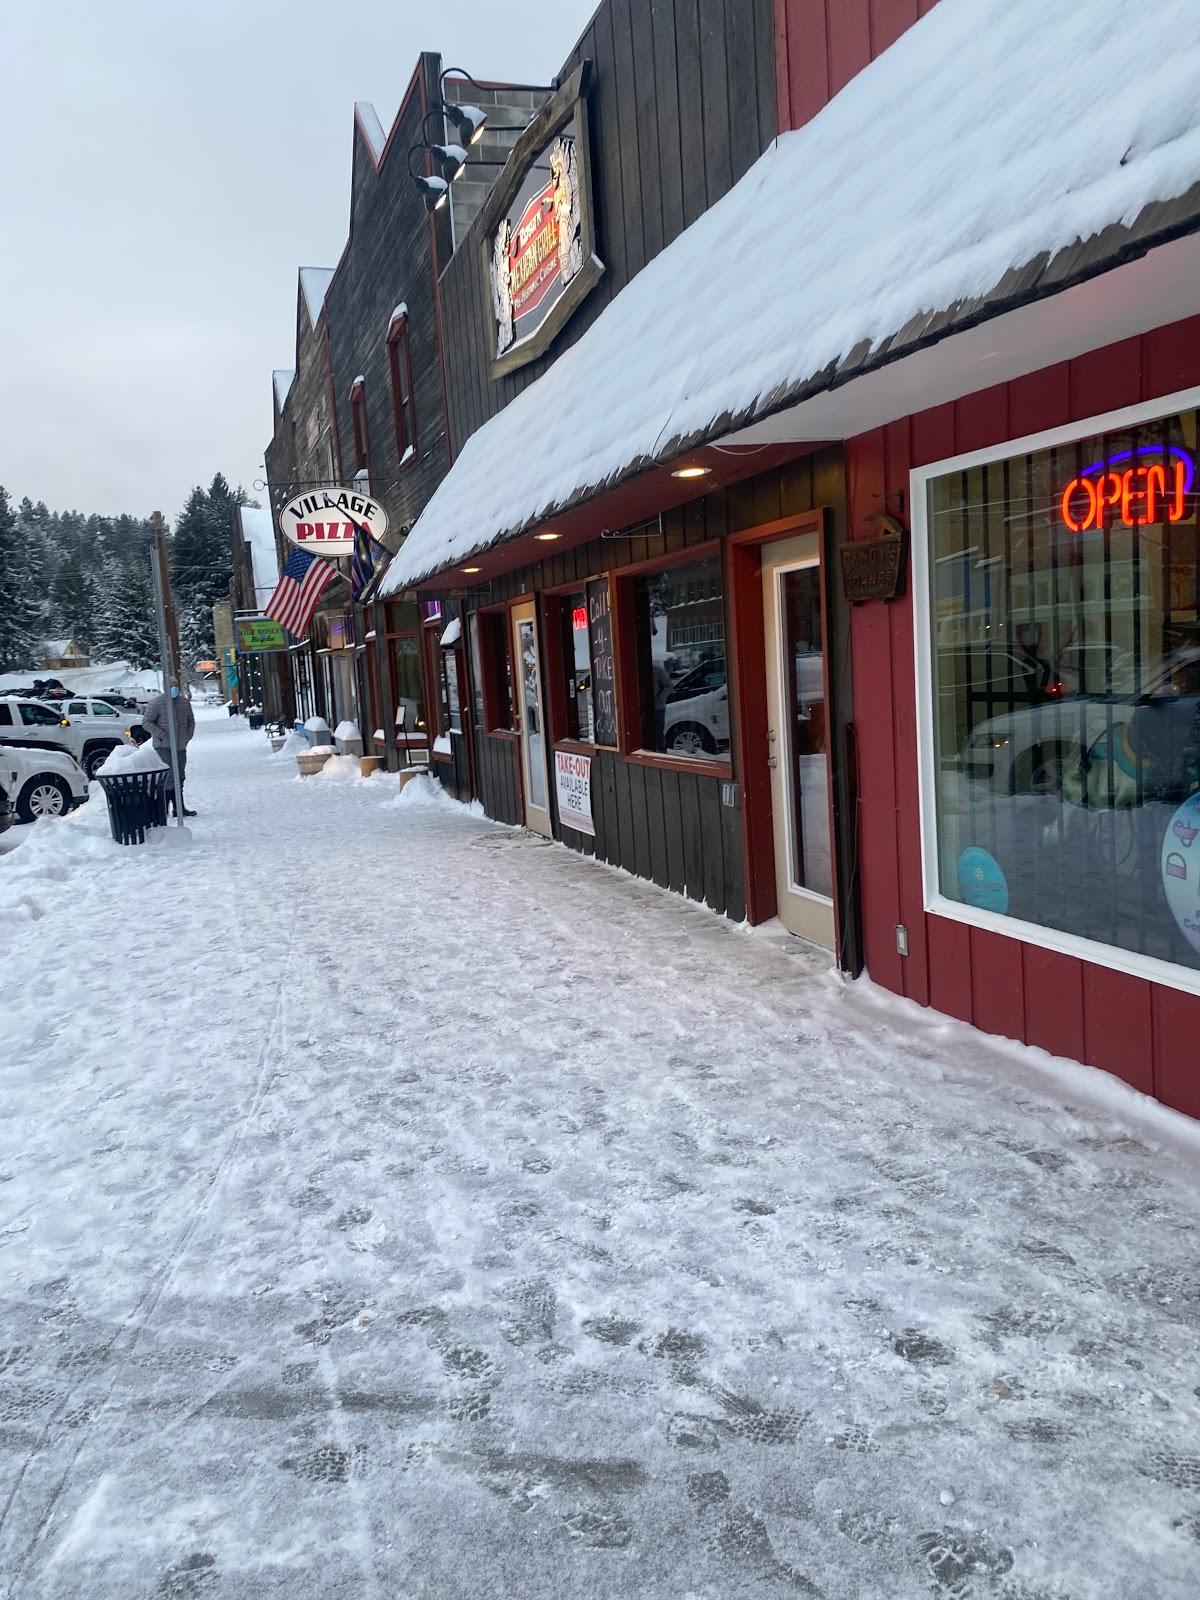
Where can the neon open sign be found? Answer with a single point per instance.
(1133, 495)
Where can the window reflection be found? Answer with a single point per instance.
(1066, 618)
(680, 622)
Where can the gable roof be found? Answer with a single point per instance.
(283, 378)
(258, 531)
(954, 177)
(314, 282)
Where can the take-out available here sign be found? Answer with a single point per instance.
(573, 776)
(325, 520)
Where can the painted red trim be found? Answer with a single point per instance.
(664, 763)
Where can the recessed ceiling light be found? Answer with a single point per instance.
(472, 569)
(546, 536)
(691, 472)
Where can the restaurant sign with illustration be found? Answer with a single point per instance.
(538, 229)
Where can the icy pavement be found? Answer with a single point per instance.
(393, 1205)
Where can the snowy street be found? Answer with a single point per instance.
(523, 1230)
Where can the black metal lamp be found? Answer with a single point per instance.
(433, 190)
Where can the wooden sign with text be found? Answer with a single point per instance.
(873, 569)
(604, 674)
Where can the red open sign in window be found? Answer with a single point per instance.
(1132, 495)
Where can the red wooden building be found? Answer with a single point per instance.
(938, 321)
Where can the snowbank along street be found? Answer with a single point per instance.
(548, 1236)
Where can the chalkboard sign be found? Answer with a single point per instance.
(604, 676)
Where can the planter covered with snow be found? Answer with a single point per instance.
(347, 739)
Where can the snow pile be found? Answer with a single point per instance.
(320, 750)
(347, 730)
(341, 769)
(294, 745)
(316, 725)
(974, 144)
(124, 758)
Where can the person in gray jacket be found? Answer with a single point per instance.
(179, 708)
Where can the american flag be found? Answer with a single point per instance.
(368, 552)
(300, 586)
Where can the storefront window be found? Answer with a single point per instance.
(476, 667)
(409, 715)
(496, 671)
(1065, 615)
(577, 665)
(451, 700)
(680, 630)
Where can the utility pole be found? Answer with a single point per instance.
(172, 621)
(168, 648)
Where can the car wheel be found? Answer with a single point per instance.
(96, 758)
(690, 739)
(44, 796)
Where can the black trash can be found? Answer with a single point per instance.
(137, 801)
(255, 719)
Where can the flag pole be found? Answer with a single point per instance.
(164, 656)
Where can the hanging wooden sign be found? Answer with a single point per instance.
(539, 255)
(873, 569)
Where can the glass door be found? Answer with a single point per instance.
(533, 724)
(797, 723)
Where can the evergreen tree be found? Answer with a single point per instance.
(201, 562)
(73, 598)
(18, 614)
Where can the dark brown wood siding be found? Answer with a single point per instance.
(682, 830)
(682, 102)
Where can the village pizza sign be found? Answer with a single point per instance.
(325, 520)
(539, 235)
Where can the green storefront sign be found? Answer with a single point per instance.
(259, 633)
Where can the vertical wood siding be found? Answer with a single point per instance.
(821, 44)
(1142, 1032)
(683, 101)
(670, 827)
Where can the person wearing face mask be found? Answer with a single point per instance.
(179, 708)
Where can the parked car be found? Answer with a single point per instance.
(41, 783)
(8, 811)
(35, 725)
(93, 711)
(696, 714)
(1028, 751)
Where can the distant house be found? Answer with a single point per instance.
(63, 653)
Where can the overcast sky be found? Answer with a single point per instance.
(164, 170)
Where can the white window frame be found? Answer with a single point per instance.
(1151, 968)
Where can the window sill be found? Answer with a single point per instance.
(704, 769)
(502, 733)
(575, 747)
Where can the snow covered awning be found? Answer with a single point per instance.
(973, 168)
(452, 634)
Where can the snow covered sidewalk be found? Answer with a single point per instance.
(396, 1205)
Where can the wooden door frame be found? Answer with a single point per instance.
(519, 603)
(748, 673)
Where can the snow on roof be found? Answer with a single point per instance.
(314, 281)
(283, 380)
(400, 311)
(975, 144)
(258, 530)
(58, 647)
(372, 129)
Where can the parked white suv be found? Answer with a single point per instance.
(35, 725)
(41, 783)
